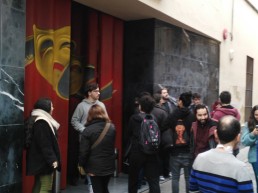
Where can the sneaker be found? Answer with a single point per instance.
(90, 189)
(161, 178)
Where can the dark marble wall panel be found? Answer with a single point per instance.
(11, 95)
(138, 61)
(185, 61)
(1, 27)
(15, 4)
(11, 188)
(11, 140)
(13, 36)
(12, 52)
(158, 54)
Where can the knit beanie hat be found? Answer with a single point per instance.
(43, 104)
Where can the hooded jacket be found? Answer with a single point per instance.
(226, 110)
(80, 114)
(187, 117)
(206, 134)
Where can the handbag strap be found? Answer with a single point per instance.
(101, 136)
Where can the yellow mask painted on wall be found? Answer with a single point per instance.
(52, 57)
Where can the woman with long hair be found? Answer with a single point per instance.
(43, 154)
(98, 162)
(250, 138)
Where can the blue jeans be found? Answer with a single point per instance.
(255, 168)
(182, 160)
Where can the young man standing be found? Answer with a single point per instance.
(80, 114)
(161, 116)
(218, 170)
(203, 129)
(196, 99)
(168, 103)
(180, 121)
(226, 108)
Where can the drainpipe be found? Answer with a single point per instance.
(232, 20)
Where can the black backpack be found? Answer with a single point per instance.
(149, 135)
(28, 131)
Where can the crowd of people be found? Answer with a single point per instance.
(202, 142)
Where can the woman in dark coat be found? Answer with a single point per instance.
(99, 162)
(43, 154)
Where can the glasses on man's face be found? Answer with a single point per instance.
(96, 91)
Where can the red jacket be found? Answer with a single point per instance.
(225, 110)
(207, 140)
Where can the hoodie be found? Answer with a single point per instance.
(186, 117)
(226, 110)
(80, 114)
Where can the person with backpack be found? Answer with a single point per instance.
(161, 115)
(145, 138)
(43, 154)
(180, 122)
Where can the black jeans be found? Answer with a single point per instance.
(164, 165)
(150, 165)
(100, 183)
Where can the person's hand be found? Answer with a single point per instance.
(81, 170)
(255, 131)
(55, 164)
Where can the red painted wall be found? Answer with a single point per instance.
(47, 66)
(103, 51)
(99, 48)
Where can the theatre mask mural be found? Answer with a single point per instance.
(51, 51)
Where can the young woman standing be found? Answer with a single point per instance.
(43, 154)
(250, 138)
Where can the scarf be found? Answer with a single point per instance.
(41, 114)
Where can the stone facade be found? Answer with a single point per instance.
(12, 52)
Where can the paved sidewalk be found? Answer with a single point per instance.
(116, 185)
(119, 184)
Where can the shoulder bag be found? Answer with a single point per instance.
(101, 136)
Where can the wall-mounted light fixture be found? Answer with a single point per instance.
(231, 54)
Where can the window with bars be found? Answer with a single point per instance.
(249, 87)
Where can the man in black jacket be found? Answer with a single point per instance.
(167, 102)
(161, 116)
(180, 121)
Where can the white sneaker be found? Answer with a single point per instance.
(161, 178)
(90, 189)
